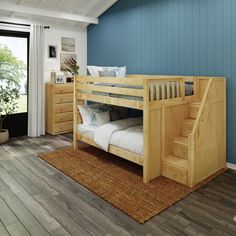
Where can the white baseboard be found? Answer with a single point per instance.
(231, 166)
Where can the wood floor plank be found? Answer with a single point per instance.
(91, 213)
(26, 183)
(112, 228)
(38, 230)
(73, 227)
(94, 225)
(7, 216)
(203, 218)
(20, 213)
(17, 229)
(39, 212)
(34, 178)
(3, 230)
(130, 225)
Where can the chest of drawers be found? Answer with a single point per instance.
(59, 108)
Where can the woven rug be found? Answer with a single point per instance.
(117, 181)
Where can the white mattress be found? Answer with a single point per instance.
(130, 139)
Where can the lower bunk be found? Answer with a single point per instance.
(122, 137)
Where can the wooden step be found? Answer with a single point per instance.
(187, 127)
(175, 168)
(180, 147)
(194, 110)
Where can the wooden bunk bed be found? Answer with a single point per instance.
(184, 136)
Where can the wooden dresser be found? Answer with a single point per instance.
(59, 108)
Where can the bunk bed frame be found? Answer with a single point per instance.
(184, 136)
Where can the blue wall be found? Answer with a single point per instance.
(186, 37)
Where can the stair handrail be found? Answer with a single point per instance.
(201, 109)
(191, 153)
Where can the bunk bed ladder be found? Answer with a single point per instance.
(176, 165)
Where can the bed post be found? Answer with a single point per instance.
(75, 110)
(146, 177)
(152, 137)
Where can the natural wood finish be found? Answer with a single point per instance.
(110, 80)
(65, 88)
(180, 147)
(62, 117)
(63, 98)
(170, 137)
(63, 108)
(187, 127)
(112, 90)
(59, 98)
(111, 100)
(173, 118)
(77, 118)
(63, 127)
(151, 139)
(171, 170)
(207, 150)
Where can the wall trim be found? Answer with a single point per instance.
(231, 166)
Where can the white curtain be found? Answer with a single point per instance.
(36, 117)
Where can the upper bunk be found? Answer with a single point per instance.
(134, 91)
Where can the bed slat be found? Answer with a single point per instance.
(152, 91)
(173, 88)
(111, 80)
(163, 90)
(109, 89)
(168, 89)
(112, 101)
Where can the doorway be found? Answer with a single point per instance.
(14, 58)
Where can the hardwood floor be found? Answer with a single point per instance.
(37, 199)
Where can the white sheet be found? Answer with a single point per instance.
(130, 139)
(103, 133)
(87, 130)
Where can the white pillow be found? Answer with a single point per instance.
(102, 118)
(120, 71)
(87, 114)
(94, 70)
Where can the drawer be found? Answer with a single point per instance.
(63, 117)
(63, 98)
(63, 127)
(60, 89)
(174, 173)
(62, 108)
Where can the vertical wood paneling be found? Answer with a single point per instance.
(233, 84)
(191, 37)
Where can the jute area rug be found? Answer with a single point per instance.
(117, 181)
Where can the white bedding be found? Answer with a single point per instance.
(87, 130)
(126, 134)
(130, 139)
(103, 133)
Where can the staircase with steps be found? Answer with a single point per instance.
(175, 166)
